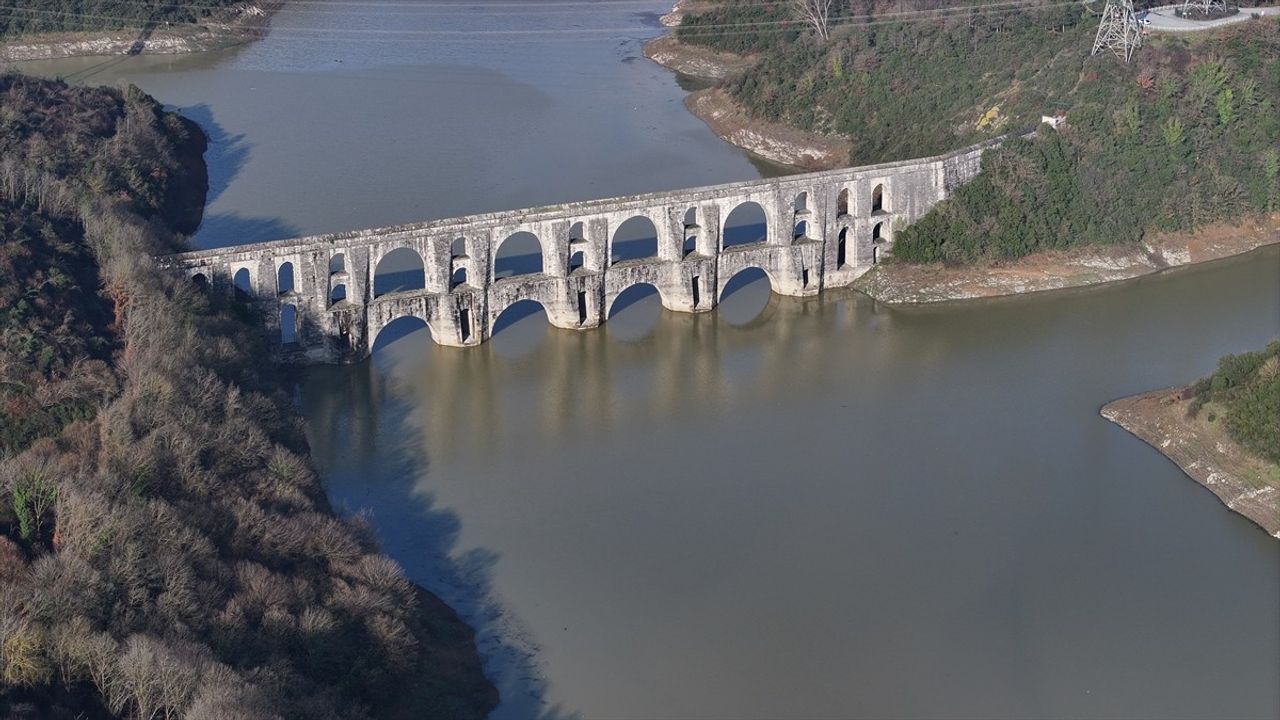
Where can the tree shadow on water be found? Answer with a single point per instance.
(224, 229)
(227, 153)
(355, 425)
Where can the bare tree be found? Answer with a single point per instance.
(816, 13)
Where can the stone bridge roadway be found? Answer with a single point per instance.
(323, 300)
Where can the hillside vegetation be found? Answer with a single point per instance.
(1246, 390)
(20, 17)
(166, 549)
(1186, 134)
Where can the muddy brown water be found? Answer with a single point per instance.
(812, 509)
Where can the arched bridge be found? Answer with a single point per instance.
(322, 299)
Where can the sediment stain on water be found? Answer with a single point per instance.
(785, 508)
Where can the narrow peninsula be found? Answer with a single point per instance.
(1223, 431)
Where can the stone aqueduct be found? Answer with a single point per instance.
(822, 230)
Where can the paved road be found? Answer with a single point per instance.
(1163, 19)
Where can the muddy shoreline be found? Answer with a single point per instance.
(1244, 482)
(904, 284)
(239, 24)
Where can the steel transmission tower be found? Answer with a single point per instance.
(1119, 31)
(1204, 7)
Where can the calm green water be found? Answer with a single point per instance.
(806, 509)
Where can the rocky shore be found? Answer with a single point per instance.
(1244, 482)
(238, 24)
(773, 141)
(902, 283)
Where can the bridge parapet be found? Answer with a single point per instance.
(319, 296)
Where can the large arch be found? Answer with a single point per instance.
(396, 329)
(743, 277)
(515, 312)
(520, 253)
(634, 239)
(399, 270)
(746, 224)
(631, 295)
(337, 263)
(877, 199)
(284, 278)
(743, 308)
(243, 284)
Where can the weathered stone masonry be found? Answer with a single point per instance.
(847, 217)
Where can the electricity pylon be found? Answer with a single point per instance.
(1204, 7)
(1119, 31)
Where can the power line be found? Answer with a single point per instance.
(721, 29)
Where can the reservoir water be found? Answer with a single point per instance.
(826, 508)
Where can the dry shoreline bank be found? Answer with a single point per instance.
(1245, 483)
(239, 24)
(918, 284)
(904, 284)
(726, 117)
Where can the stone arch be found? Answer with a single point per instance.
(516, 311)
(877, 233)
(399, 270)
(745, 276)
(338, 293)
(877, 199)
(689, 241)
(337, 263)
(406, 325)
(842, 202)
(458, 279)
(200, 280)
(289, 324)
(577, 246)
(800, 217)
(627, 297)
(842, 248)
(284, 278)
(242, 281)
(523, 255)
(741, 309)
(458, 248)
(746, 224)
(635, 239)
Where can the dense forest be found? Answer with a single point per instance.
(1246, 390)
(166, 548)
(1186, 134)
(19, 17)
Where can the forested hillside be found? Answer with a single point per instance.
(1244, 393)
(166, 549)
(19, 17)
(1186, 134)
